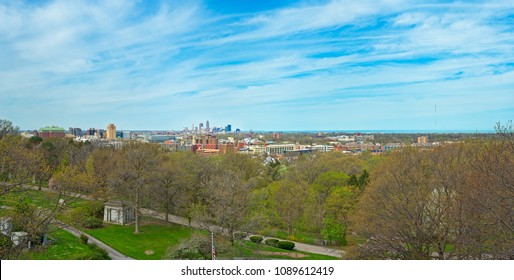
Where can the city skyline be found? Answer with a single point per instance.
(258, 65)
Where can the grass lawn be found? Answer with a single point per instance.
(65, 247)
(150, 244)
(33, 197)
(37, 198)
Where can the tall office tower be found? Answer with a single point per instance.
(111, 132)
(193, 127)
(228, 128)
(207, 125)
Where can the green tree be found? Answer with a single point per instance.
(288, 199)
(363, 179)
(320, 190)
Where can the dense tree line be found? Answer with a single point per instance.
(454, 201)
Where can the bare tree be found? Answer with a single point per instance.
(171, 190)
(406, 211)
(450, 202)
(136, 173)
(6, 127)
(227, 203)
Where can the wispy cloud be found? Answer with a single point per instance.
(307, 65)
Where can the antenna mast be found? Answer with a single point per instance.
(435, 116)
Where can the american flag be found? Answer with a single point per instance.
(213, 251)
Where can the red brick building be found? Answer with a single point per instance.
(52, 132)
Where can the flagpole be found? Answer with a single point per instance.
(213, 254)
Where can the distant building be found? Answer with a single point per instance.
(207, 125)
(158, 138)
(392, 146)
(228, 128)
(100, 133)
(227, 148)
(52, 132)
(205, 141)
(279, 149)
(77, 132)
(422, 140)
(111, 132)
(126, 134)
(91, 132)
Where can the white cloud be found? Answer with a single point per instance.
(338, 54)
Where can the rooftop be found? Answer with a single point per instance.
(52, 128)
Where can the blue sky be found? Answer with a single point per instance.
(262, 65)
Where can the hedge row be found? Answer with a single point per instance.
(286, 245)
(271, 242)
(256, 239)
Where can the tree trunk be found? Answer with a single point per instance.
(231, 236)
(136, 231)
(167, 211)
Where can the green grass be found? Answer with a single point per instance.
(65, 247)
(33, 197)
(38, 198)
(156, 237)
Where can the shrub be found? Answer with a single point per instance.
(271, 242)
(85, 216)
(96, 253)
(256, 239)
(286, 245)
(95, 209)
(240, 235)
(92, 222)
(99, 253)
(5, 242)
(84, 238)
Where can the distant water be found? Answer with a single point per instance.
(382, 131)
